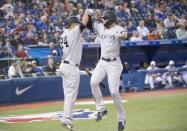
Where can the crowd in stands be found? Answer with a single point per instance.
(23, 68)
(39, 22)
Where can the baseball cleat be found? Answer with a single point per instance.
(100, 115)
(68, 126)
(121, 126)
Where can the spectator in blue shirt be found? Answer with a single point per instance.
(130, 27)
(141, 7)
(36, 70)
(120, 12)
(42, 23)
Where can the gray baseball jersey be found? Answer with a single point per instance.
(110, 42)
(71, 45)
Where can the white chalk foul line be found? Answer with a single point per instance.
(93, 103)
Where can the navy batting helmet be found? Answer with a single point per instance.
(70, 20)
(109, 17)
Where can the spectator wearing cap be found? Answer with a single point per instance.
(171, 76)
(181, 32)
(14, 70)
(142, 30)
(38, 71)
(127, 69)
(151, 77)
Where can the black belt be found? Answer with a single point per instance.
(108, 59)
(67, 62)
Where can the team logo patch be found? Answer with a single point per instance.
(82, 114)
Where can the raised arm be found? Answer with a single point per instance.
(85, 18)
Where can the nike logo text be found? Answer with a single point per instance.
(21, 91)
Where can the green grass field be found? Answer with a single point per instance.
(156, 113)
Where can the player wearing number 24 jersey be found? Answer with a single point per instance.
(71, 45)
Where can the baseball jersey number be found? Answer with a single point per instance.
(64, 42)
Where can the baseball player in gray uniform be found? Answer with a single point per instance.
(109, 65)
(184, 73)
(71, 45)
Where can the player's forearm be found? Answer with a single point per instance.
(85, 18)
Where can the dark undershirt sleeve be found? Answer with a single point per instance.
(82, 27)
(90, 23)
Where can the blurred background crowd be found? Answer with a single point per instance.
(39, 22)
